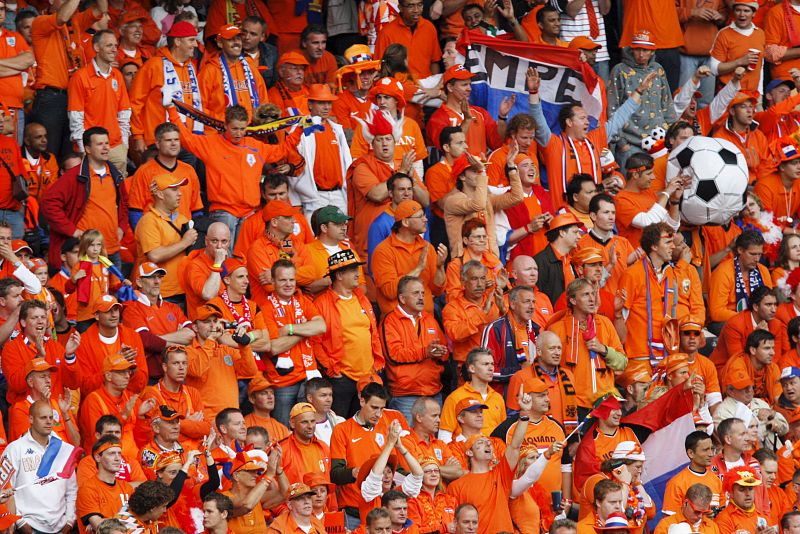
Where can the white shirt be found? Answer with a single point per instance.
(46, 507)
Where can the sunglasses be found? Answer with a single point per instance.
(691, 333)
(702, 511)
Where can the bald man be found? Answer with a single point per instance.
(525, 272)
(200, 274)
(41, 167)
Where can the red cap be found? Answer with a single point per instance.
(456, 72)
(37, 263)
(230, 265)
(182, 29)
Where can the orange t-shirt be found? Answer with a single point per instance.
(11, 45)
(99, 98)
(53, 64)
(439, 181)
(140, 197)
(300, 309)
(776, 198)
(777, 34)
(364, 174)
(731, 44)
(276, 430)
(154, 231)
(253, 522)
(193, 272)
(349, 105)
(659, 17)
(422, 44)
(541, 435)
(675, 492)
(96, 497)
(300, 458)
(321, 71)
(410, 139)
(100, 212)
(490, 493)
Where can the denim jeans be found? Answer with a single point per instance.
(689, 65)
(16, 220)
(285, 398)
(603, 69)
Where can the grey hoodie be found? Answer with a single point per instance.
(656, 108)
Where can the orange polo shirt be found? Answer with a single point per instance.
(463, 323)
(421, 42)
(53, 65)
(364, 174)
(733, 518)
(355, 445)
(675, 492)
(439, 183)
(140, 197)
(12, 44)
(630, 204)
(100, 98)
(300, 458)
(321, 71)
(158, 230)
(100, 212)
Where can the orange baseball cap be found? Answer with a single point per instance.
(117, 362)
(536, 385)
(7, 518)
(743, 96)
(131, 16)
(228, 31)
(298, 489)
(38, 364)
(315, 478)
(206, 311)
(165, 181)
(300, 408)
(259, 383)
(19, 244)
(470, 405)
(232, 264)
(676, 362)
(105, 303)
(166, 458)
(582, 42)
(456, 72)
(406, 209)
(740, 380)
(641, 377)
(585, 255)
(293, 58)
(148, 269)
(277, 208)
(321, 92)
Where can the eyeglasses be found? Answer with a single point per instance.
(692, 333)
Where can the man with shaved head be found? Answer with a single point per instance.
(548, 368)
(525, 272)
(41, 167)
(200, 274)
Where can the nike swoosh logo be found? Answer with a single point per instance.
(356, 440)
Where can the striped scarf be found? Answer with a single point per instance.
(569, 407)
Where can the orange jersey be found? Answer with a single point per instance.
(263, 254)
(489, 492)
(730, 44)
(755, 147)
(140, 198)
(776, 198)
(281, 96)
(99, 98)
(766, 381)
(96, 497)
(244, 90)
(405, 341)
(100, 213)
(57, 47)
(349, 105)
(622, 249)
(563, 157)
(733, 518)
(541, 435)
(193, 272)
(224, 160)
(277, 314)
(146, 93)
(722, 290)
(186, 401)
(253, 227)
(707, 526)
(11, 45)
(421, 42)
(40, 173)
(777, 33)
(355, 445)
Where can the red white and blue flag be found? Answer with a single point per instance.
(500, 65)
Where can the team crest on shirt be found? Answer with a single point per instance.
(251, 159)
(228, 359)
(170, 316)
(114, 85)
(11, 41)
(296, 229)
(685, 284)
(379, 439)
(438, 454)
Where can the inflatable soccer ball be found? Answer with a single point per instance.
(719, 179)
